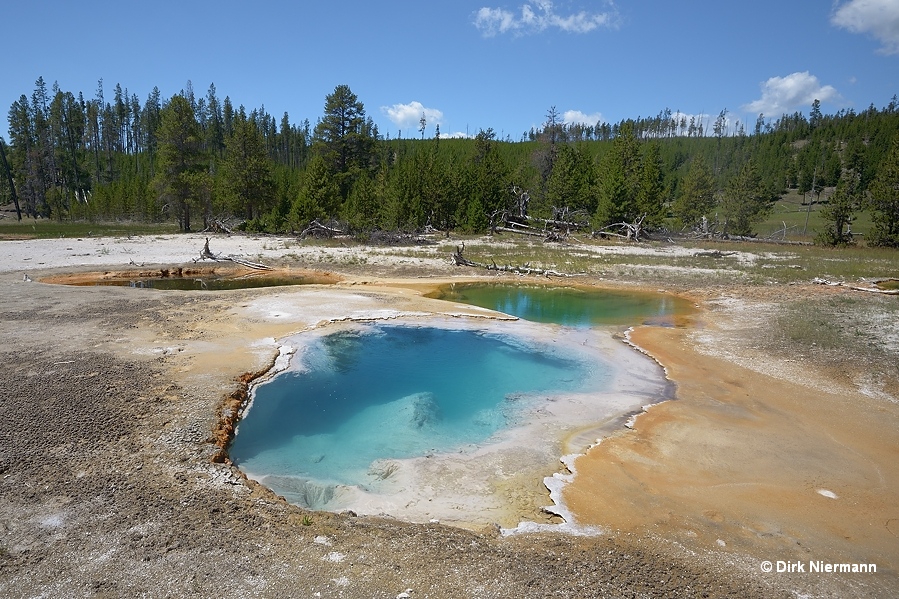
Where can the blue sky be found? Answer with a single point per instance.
(466, 64)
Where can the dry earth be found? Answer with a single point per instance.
(108, 487)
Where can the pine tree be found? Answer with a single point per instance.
(697, 194)
(215, 129)
(344, 137)
(572, 181)
(361, 207)
(399, 209)
(720, 128)
(319, 195)
(884, 201)
(618, 180)
(227, 117)
(180, 165)
(23, 155)
(68, 129)
(546, 156)
(838, 212)
(437, 190)
(247, 169)
(616, 202)
(489, 181)
(815, 116)
(651, 190)
(744, 201)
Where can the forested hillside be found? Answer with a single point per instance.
(198, 160)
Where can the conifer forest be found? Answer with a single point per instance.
(202, 162)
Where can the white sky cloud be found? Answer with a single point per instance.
(700, 119)
(455, 135)
(571, 117)
(538, 15)
(879, 18)
(409, 115)
(785, 94)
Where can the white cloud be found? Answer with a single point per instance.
(699, 119)
(495, 20)
(785, 94)
(409, 115)
(571, 117)
(539, 15)
(456, 135)
(879, 18)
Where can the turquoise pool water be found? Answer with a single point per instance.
(381, 392)
(569, 306)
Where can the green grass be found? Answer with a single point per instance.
(801, 218)
(773, 264)
(795, 263)
(47, 229)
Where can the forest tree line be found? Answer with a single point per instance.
(195, 159)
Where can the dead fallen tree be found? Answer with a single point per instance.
(319, 229)
(714, 254)
(218, 225)
(712, 229)
(460, 260)
(872, 289)
(514, 218)
(207, 254)
(397, 238)
(633, 231)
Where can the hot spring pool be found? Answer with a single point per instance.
(569, 306)
(372, 393)
(458, 420)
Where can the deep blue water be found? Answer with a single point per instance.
(390, 391)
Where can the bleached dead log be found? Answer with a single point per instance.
(397, 238)
(559, 224)
(630, 231)
(207, 254)
(247, 263)
(820, 281)
(460, 260)
(714, 254)
(782, 233)
(515, 219)
(532, 233)
(526, 269)
(217, 225)
(317, 229)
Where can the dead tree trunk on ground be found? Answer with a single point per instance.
(820, 281)
(317, 229)
(525, 269)
(207, 254)
(629, 231)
